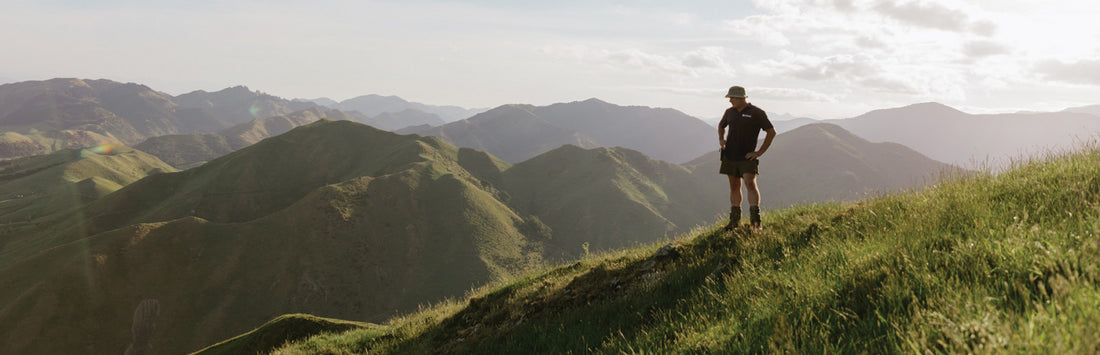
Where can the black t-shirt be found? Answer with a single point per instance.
(744, 130)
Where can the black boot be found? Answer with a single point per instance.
(735, 218)
(754, 218)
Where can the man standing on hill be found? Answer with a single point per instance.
(740, 158)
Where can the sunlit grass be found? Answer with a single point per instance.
(1004, 263)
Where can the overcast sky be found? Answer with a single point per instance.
(817, 58)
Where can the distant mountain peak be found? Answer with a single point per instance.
(934, 106)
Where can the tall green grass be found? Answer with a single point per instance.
(1002, 263)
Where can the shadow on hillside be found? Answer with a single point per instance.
(620, 292)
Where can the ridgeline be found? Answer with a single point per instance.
(978, 263)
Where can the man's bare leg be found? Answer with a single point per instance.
(735, 202)
(753, 192)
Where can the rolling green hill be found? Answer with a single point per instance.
(41, 196)
(1006, 263)
(334, 218)
(609, 198)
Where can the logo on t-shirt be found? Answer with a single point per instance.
(746, 115)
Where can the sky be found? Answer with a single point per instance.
(812, 58)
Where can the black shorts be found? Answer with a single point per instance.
(739, 167)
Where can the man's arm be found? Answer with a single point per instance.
(763, 147)
(722, 136)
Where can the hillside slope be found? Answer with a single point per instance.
(334, 218)
(606, 198)
(1007, 263)
(41, 197)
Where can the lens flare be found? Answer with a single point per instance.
(254, 110)
(103, 148)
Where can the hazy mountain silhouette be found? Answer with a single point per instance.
(392, 121)
(823, 162)
(323, 101)
(1092, 110)
(664, 134)
(782, 126)
(187, 151)
(39, 117)
(374, 105)
(959, 138)
(512, 132)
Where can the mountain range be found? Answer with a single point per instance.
(190, 150)
(39, 117)
(337, 219)
(978, 141)
(519, 132)
(106, 248)
(374, 105)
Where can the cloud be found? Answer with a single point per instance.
(765, 29)
(788, 94)
(860, 70)
(984, 28)
(706, 58)
(636, 58)
(934, 16)
(831, 67)
(1081, 72)
(980, 49)
(930, 15)
(691, 63)
(779, 94)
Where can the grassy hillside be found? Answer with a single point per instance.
(985, 263)
(39, 195)
(607, 198)
(335, 218)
